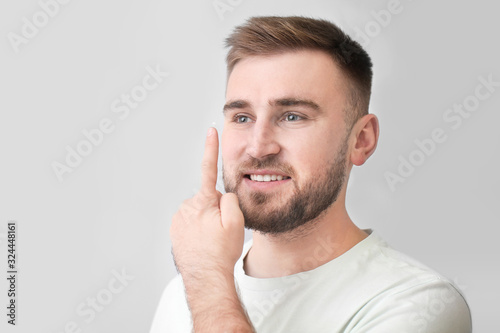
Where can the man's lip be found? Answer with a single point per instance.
(264, 172)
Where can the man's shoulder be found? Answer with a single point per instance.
(391, 264)
(175, 284)
(174, 289)
(433, 305)
(406, 293)
(172, 313)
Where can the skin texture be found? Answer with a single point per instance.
(300, 140)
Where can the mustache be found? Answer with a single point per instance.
(270, 162)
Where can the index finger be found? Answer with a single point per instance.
(209, 162)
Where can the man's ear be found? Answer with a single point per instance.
(365, 137)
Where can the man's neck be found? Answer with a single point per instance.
(303, 250)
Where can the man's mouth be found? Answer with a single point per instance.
(266, 178)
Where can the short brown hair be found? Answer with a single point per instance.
(267, 35)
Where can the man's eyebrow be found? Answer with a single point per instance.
(289, 101)
(295, 102)
(238, 104)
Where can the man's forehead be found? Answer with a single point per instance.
(300, 67)
(303, 78)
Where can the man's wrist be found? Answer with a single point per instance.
(214, 303)
(204, 290)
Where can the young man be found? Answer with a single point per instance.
(296, 121)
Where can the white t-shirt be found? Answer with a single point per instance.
(370, 288)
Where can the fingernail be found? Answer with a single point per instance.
(211, 132)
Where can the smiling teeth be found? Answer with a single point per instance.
(267, 178)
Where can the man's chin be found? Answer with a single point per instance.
(264, 217)
(263, 199)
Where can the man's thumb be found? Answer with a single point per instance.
(231, 215)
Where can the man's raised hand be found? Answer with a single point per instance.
(207, 232)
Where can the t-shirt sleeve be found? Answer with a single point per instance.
(172, 314)
(433, 307)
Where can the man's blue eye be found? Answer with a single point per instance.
(292, 117)
(242, 119)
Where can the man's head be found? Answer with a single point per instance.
(297, 91)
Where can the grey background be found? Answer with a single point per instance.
(113, 211)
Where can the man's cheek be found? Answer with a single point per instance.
(229, 178)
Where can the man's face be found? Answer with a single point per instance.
(284, 142)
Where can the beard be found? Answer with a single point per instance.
(270, 213)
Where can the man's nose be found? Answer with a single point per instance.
(263, 141)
